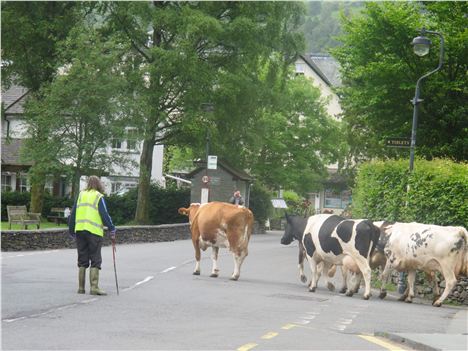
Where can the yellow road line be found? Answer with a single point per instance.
(269, 335)
(288, 326)
(382, 343)
(247, 347)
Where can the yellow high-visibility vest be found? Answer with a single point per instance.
(87, 212)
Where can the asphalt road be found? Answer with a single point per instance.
(163, 306)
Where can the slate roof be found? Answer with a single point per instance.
(13, 99)
(242, 175)
(325, 66)
(11, 152)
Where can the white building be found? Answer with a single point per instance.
(323, 71)
(14, 170)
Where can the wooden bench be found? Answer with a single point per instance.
(20, 215)
(58, 216)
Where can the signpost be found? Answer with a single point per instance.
(212, 162)
(398, 142)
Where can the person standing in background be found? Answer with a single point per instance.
(236, 199)
(86, 225)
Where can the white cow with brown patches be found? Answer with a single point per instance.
(415, 246)
(220, 224)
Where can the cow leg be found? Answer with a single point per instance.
(450, 282)
(314, 275)
(326, 269)
(214, 258)
(238, 259)
(196, 246)
(363, 265)
(344, 273)
(433, 276)
(301, 263)
(384, 277)
(410, 289)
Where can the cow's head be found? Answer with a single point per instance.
(189, 211)
(295, 226)
(385, 232)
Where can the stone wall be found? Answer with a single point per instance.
(25, 240)
(57, 238)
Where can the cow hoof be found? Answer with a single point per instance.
(343, 290)
(434, 300)
(196, 273)
(349, 293)
(330, 287)
(312, 289)
(437, 304)
(234, 277)
(214, 275)
(366, 297)
(356, 290)
(408, 300)
(383, 294)
(303, 279)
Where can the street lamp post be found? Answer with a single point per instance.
(421, 45)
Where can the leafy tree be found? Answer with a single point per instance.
(31, 33)
(379, 72)
(79, 109)
(183, 54)
(298, 139)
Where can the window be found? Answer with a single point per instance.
(336, 198)
(6, 182)
(116, 144)
(300, 68)
(132, 138)
(49, 186)
(23, 183)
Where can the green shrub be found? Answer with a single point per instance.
(438, 190)
(13, 198)
(164, 204)
(260, 203)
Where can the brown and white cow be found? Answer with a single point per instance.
(220, 224)
(413, 246)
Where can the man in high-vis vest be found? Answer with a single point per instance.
(86, 223)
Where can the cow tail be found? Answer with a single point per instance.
(375, 236)
(464, 232)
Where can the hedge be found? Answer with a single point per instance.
(438, 192)
(163, 204)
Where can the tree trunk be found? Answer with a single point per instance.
(75, 184)
(37, 194)
(146, 164)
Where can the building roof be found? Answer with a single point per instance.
(11, 149)
(13, 99)
(242, 175)
(326, 67)
(329, 67)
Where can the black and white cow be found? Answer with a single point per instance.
(295, 226)
(329, 238)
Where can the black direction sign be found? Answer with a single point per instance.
(398, 142)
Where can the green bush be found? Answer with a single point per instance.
(164, 204)
(438, 190)
(13, 198)
(260, 203)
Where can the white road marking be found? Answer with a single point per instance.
(168, 269)
(4, 256)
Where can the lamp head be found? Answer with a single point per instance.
(421, 45)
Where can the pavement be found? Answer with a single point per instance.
(454, 338)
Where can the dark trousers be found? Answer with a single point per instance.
(89, 249)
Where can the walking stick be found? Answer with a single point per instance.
(115, 269)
